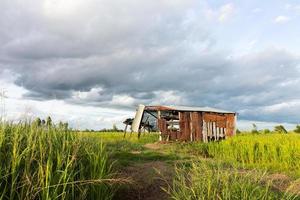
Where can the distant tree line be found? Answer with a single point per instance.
(49, 123)
(277, 129)
(113, 129)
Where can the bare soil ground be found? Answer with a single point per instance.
(148, 180)
(283, 183)
(153, 146)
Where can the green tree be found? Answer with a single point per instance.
(254, 129)
(266, 131)
(60, 125)
(280, 129)
(38, 122)
(238, 131)
(297, 130)
(49, 121)
(43, 122)
(66, 126)
(115, 128)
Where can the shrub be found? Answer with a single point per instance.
(280, 129)
(266, 131)
(297, 130)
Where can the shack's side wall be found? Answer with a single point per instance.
(218, 126)
(200, 126)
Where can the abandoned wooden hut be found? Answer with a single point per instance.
(185, 123)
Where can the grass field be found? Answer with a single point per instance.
(249, 166)
(52, 163)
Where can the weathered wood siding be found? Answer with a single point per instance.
(196, 124)
(199, 126)
(184, 126)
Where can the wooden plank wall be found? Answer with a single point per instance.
(184, 126)
(218, 126)
(199, 126)
(196, 126)
(230, 125)
(162, 125)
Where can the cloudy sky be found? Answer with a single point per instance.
(90, 62)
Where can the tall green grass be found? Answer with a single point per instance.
(207, 181)
(108, 137)
(274, 152)
(279, 152)
(51, 163)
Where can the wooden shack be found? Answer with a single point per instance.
(185, 123)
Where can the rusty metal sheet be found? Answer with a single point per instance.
(157, 108)
(184, 123)
(213, 117)
(187, 109)
(196, 119)
(230, 124)
(174, 135)
(162, 125)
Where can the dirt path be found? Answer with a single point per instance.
(148, 179)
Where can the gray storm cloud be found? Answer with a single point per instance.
(103, 53)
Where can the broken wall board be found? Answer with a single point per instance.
(230, 125)
(196, 126)
(184, 125)
(217, 126)
(138, 118)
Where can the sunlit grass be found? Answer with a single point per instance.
(44, 162)
(202, 180)
(274, 152)
(107, 137)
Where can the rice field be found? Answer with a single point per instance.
(276, 152)
(49, 162)
(249, 166)
(273, 152)
(206, 181)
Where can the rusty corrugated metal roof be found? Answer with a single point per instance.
(187, 108)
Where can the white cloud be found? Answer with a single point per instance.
(283, 106)
(221, 14)
(123, 100)
(281, 19)
(57, 8)
(91, 95)
(290, 7)
(108, 58)
(226, 12)
(257, 10)
(168, 98)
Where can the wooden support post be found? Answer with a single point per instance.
(158, 118)
(125, 130)
(130, 133)
(191, 126)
